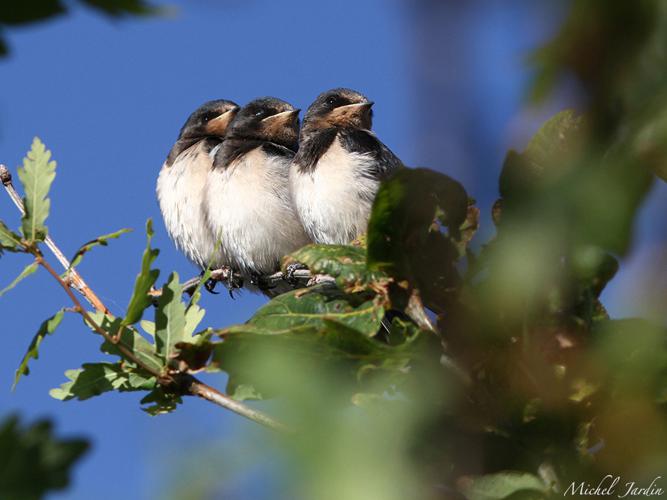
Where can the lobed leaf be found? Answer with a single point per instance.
(129, 338)
(93, 379)
(316, 305)
(170, 319)
(9, 240)
(99, 241)
(37, 175)
(146, 278)
(27, 271)
(46, 328)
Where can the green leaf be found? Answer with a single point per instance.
(36, 176)
(329, 344)
(499, 486)
(195, 314)
(33, 460)
(170, 319)
(130, 338)
(549, 154)
(93, 379)
(99, 241)
(415, 232)
(315, 306)
(9, 240)
(145, 280)
(344, 262)
(148, 327)
(27, 271)
(162, 402)
(46, 328)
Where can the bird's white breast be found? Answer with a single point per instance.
(250, 211)
(335, 198)
(180, 192)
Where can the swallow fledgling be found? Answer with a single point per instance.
(337, 171)
(247, 198)
(182, 179)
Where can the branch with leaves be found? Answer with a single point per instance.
(142, 366)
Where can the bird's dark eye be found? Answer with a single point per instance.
(332, 101)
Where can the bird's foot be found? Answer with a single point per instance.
(234, 282)
(288, 275)
(210, 286)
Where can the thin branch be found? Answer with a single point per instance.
(68, 290)
(204, 391)
(77, 281)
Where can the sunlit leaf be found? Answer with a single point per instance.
(9, 240)
(27, 271)
(99, 241)
(93, 379)
(170, 318)
(145, 280)
(37, 175)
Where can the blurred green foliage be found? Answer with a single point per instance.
(33, 461)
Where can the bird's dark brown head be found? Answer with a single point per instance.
(267, 119)
(211, 119)
(339, 108)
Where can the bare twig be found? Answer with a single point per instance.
(202, 390)
(127, 352)
(77, 281)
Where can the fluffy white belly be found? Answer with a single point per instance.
(249, 209)
(334, 200)
(180, 193)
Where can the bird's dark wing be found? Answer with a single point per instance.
(365, 142)
(312, 149)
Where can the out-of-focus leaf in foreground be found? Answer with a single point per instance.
(33, 461)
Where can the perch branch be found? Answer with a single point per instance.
(77, 281)
(202, 390)
(298, 279)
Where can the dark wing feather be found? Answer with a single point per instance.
(365, 142)
(311, 150)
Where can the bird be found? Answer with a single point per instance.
(247, 199)
(337, 170)
(183, 176)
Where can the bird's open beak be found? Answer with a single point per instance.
(219, 124)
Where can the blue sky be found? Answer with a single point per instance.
(108, 98)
